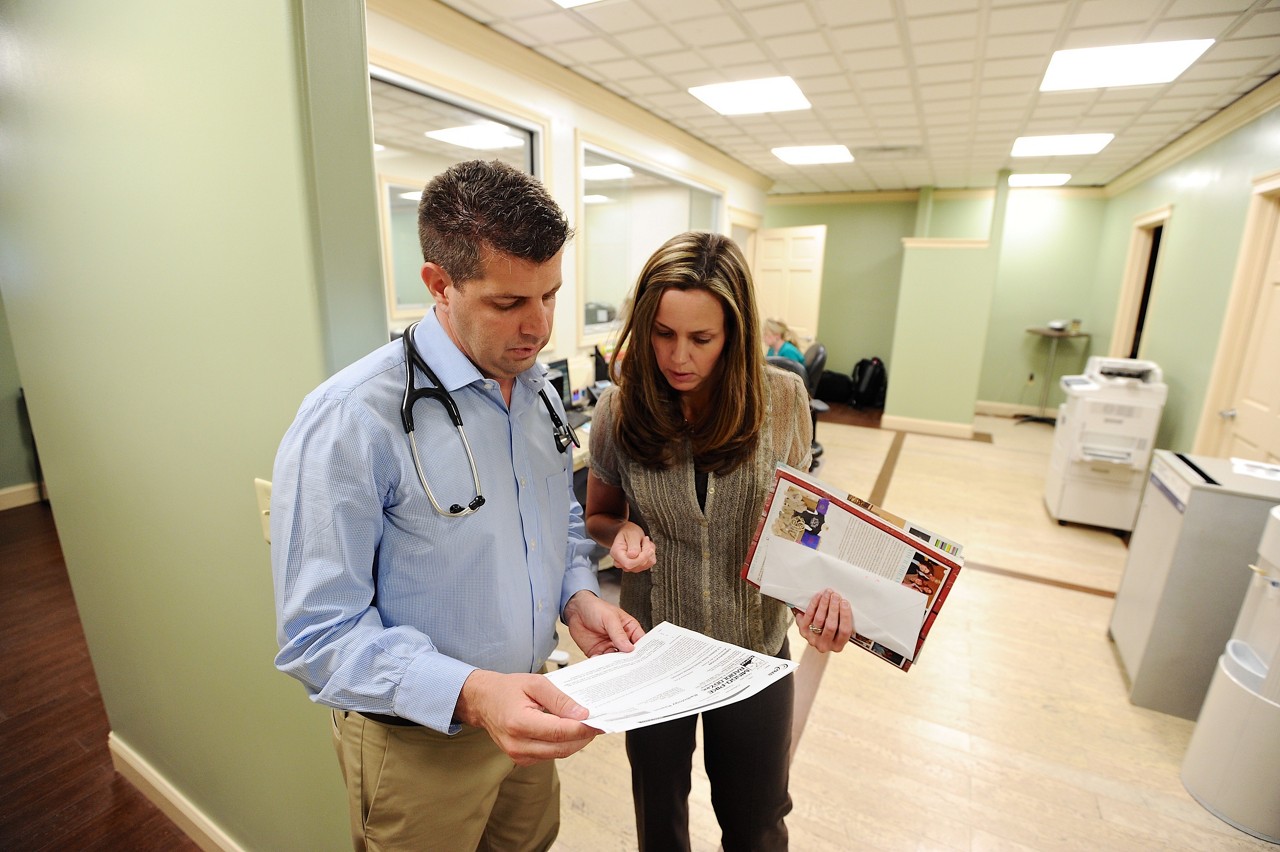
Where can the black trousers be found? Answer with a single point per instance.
(745, 748)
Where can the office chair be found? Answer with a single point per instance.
(815, 405)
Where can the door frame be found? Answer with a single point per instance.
(1135, 278)
(1213, 433)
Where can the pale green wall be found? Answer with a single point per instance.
(1046, 271)
(177, 251)
(937, 342)
(961, 218)
(1210, 193)
(17, 454)
(860, 274)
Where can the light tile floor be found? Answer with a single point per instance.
(1013, 732)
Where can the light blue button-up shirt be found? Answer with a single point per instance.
(382, 604)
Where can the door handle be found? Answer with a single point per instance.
(1227, 414)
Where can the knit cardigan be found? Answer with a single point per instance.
(697, 582)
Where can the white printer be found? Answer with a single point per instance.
(1102, 442)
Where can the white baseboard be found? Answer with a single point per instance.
(193, 822)
(941, 428)
(19, 495)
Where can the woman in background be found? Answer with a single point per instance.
(683, 451)
(781, 340)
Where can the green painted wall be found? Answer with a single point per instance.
(963, 218)
(941, 325)
(177, 257)
(17, 452)
(1046, 270)
(1209, 193)
(860, 274)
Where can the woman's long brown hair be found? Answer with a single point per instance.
(650, 423)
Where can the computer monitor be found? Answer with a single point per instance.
(558, 375)
(602, 366)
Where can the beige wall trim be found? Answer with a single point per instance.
(1004, 409)
(940, 428)
(1261, 221)
(193, 822)
(792, 199)
(1249, 107)
(19, 495)
(940, 243)
(439, 22)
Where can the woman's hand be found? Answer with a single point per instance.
(827, 623)
(632, 550)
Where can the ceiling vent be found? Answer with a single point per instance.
(889, 152)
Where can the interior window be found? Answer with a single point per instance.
(628, 211)
(416, 136)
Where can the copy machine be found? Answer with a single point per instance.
(1102, 442)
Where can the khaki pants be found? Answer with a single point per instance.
(412, 788)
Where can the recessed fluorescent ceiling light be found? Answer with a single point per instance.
(596, 199)
(485, 136)
(1121, 65)
(770, 94)
(613, 171)
(416, 195)
(1038, 180)
(802, 155)
(378, 146)
(1058, 146)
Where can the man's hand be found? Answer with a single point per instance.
(525, 715)
(599, 627)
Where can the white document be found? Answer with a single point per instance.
(672, 672)
(884, 610)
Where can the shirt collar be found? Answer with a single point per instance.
(452, 366)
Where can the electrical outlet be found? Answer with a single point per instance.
(1031, 378)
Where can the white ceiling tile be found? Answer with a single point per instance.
(1105, 36)
(712, 31)
(1096, 13)
(781, 19)
(649, 41)
(837, 13)
(866, 37)
(1037, 45)
(590, 50)
(1044, 17)
(943, 28)
(683, 61)
(813, 66)
(804, 44)
(616, 17)
(958, 77)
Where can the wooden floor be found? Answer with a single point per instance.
(57, 788)
(1013, 732)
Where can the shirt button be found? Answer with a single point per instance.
(706, 554)
(533, 545)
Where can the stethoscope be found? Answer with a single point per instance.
(564, 433)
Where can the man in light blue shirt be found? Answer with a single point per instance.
(419, 569)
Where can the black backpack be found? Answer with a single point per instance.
(870, 381)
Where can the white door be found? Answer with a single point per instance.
(788, 275)
(1256, 430)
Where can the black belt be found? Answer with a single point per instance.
(397, 721)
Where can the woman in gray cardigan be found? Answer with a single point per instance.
(683, 451)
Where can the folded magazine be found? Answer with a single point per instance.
(895, 574)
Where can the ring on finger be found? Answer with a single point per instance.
(814, 628)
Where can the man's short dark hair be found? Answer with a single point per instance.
(477, 207)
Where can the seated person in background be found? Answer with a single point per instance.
(781, 340)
